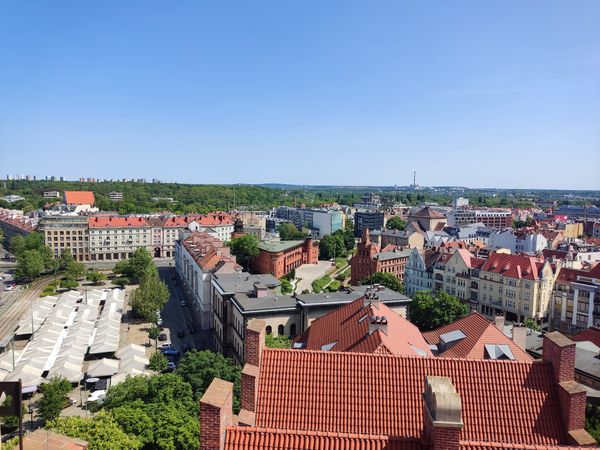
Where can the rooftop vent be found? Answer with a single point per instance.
(378, 323)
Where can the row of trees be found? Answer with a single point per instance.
(337, 245)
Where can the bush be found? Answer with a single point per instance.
(334, 286)
(319, 284)
(69, 283)
(286, 287)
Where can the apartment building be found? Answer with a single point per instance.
(519, 287)
(371, 220)
(399, 238)
(320, 221)
(496, 218)
(521, 241)
(576, 300)
(116, 196)
(427, 219)
(113, 238)
(67, 233)
(51, 194)
(198, 257)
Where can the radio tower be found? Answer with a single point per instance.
(415, 178)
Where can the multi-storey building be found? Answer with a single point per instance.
(321, 221)
(576, 300)
(369, 259)
(399, 238)
(521, 241)
(578, 212)
(198, 257)
(280, 257)
(67, 233)
(51, 194)
(115, 196)
(516, 286)
(496, 218)
(428, 219)
(113, 238)
(419, 270)
(371, 220)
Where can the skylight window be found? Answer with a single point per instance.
(499, 351)
(328, 347)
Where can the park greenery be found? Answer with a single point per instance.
(431, 310)
(385, 279)
(281, 341)
(244, 248)
(289, 232)
(337, 244)
(286, 286)
(54, 398)
(158, 361)
(395, 223)
(95, 277)
(33, 257)
(319, 284)
(136, 267)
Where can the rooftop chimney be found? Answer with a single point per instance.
(250, 375)
(499, 322)
(254, 342)
(519, 336)
(378, 323)
(216, 414)
(442, 414)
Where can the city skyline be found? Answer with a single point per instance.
(310, 94)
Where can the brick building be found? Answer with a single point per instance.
(280, 257)
(370, 258)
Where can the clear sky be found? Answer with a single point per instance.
(477, 93)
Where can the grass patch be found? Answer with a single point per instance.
(319, 284)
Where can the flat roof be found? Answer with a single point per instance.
(245, 303)
(279, 246)
(243, 282)
(354, 292)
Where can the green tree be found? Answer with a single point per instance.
(153, 333)
(286, 287)
(244, 248)
(65, 259)
(149, 297)
(385, 279)
(30, 265)
(395, 223)
(102, 432)
(158, 362)
(136, 267)
(69, 283)
(75, 270)
(96, 277)
(53, 398)
(199, 368)
(592, 420)
(289, 232)
(277, 341)
(333, 246)
(430, 310)
(532, 324)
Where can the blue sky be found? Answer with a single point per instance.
(482, 94)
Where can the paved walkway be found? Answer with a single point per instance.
(309, 273)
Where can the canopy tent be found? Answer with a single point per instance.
(104, 367)
(66, 368)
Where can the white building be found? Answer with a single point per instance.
(528, 242)
(418, 274)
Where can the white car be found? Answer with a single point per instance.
(9, 287)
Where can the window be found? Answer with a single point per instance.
(280, 330)
(293, 329)
(268, 330)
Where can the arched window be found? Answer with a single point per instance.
(268, 330)
(293, 330)
(280, 330)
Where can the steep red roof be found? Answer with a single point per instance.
(79, 198)
(591, 334)
(347, 327)
(427, 213)
(346, 392)
(514, 266)
(209, 252)
(117, 222)
(478, 331)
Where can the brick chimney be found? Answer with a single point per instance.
(250, 375)
(519, 335)
(254, 342)
(559, 351)
(499, 322)
(216, 414)
(442, 414)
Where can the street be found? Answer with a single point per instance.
(179, 318)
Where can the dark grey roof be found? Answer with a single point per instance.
(243, 282)
(354, 292)
(386, 256)
(246, 303)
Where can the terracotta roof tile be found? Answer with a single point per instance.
(117, 222)
(79, 198)
(479, 331)
(348, 327)
(503, 401)
(514, 266)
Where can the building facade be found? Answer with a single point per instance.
(113, 238)
(280, 257)
(371, 220)
(496, 218)
(67, 233)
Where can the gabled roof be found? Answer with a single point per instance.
(514, 266)
(348, 327)
(427, 213)
(374, 394)
(479, 332)
(117, 222)
(79, 198)
(209, 252)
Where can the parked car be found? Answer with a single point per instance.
(162, 337)
(9, 287)
(170, 351)
(171, 366)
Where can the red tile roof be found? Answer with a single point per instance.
(427, 213)
(591, 334)
(209, 252)
(502, 401)
(251, 438)
(479, 331)
(117, 222)
(348, 327)
(79, 198)
(514, 266)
